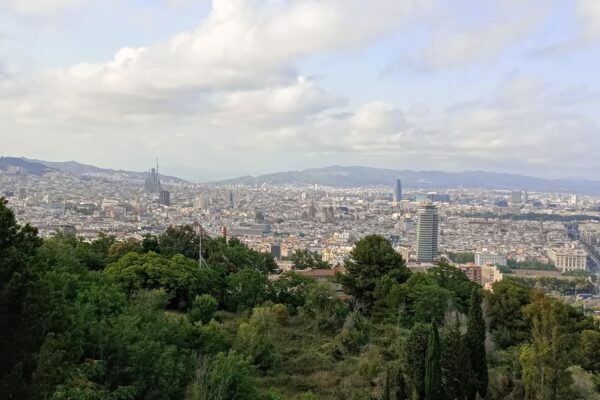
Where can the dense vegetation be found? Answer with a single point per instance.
(112, 320)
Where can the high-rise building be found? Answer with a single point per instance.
(152, 184)
(230, 199)
(516, 197)
(164, 197)
(427, 233)
(276, 251)
(398, 191)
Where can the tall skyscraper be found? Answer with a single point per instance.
(398, 191)
(427, 233)
(164, 197)
(152, 184)
(516, 197)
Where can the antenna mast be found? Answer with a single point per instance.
(201, 262)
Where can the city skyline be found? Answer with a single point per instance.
(191, 81)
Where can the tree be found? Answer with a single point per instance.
(19, 339)
(476, 346)
(182, 240)
(415, 352)
(236, 372)
(433, 369)
(453, 279)
(554, 343)
(306, 259)
(291, 289)
(372, 258)
(257, 338)
(455, 361)
(589, 350)
(150, 243)
(246, 289)
(203, 308)
(505, 304)
(119, 249)
(181, 277)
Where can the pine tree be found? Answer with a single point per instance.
(386, 390)
(476, 347)
(433, 369)
(400, 386)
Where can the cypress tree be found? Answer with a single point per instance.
(400, 386)
(476, 347)
(386, 390)
(433, 368)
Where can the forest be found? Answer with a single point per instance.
(133, 320)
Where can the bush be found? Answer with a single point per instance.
(203, 308)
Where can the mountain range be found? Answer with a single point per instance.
(342, 176)
(40, 167)
(353, 176)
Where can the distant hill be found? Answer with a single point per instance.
(353, 176)
(40, 167)
(27, 166)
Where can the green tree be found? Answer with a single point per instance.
(291, 289)
(257, 338)
(505, 304)
(119, 249)
(371, 258)
(415, 353)
(433, 369)
(224, 377)
(554, 343)
(203, 308)
(475, 339)
(150, 243)
(182, 240)
(455, 361)
(246, 289)
(180, 277)
(19, 335)
(589, 350)
(306, 259)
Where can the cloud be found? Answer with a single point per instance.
(589, 12)
(458, 40)
(38, 7)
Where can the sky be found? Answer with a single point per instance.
(244, 87)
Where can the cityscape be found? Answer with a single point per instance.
(495, 226)
(299, 200)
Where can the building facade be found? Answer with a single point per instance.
(427, 233)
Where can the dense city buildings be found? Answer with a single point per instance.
(328, 220)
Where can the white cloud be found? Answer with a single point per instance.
(37, 7)
(459, 42)
(589, 12)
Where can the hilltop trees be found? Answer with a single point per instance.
(372, 258)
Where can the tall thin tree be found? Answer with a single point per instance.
(433, 367)
(476, 347)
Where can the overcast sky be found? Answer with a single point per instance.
(235, 87)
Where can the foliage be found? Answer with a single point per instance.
(203, 308)
(291, 289)
(415, 353)
(372, 258)
(462, 258)
(433, 369)
(257, 338)
(224, 377)
(306, 259)
(505, 304)
(180, 277)
(246, 289)
(534, 265)
(475, 339)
